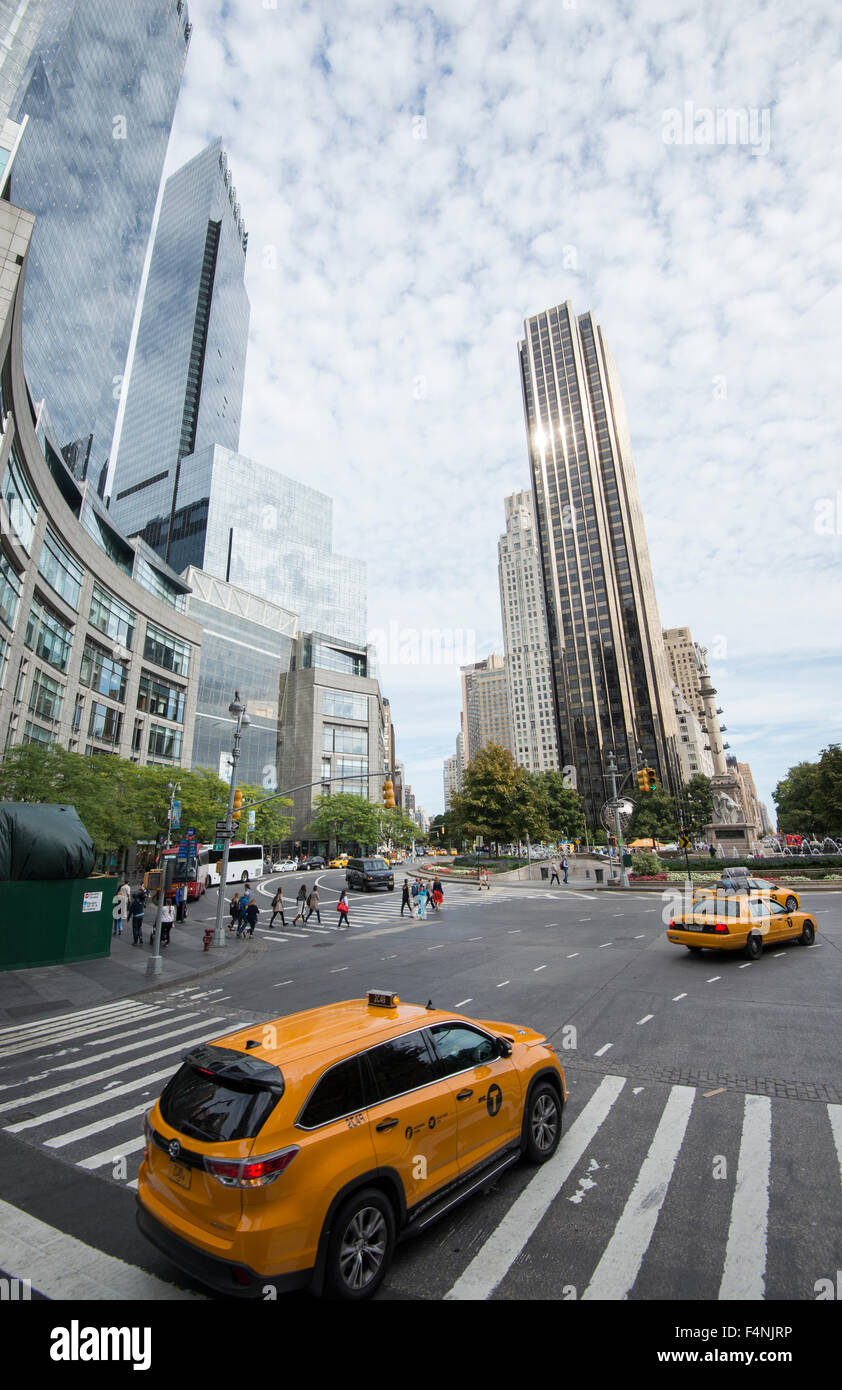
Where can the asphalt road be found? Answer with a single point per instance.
(703, 1133)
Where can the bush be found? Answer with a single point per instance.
(644, 863)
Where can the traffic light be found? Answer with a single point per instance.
(238, 804)
(653, 779)
(388, 792)
(643, 779)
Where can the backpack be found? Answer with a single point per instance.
(414, 890)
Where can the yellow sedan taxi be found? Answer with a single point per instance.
(340, 862)
(296, 1153)
(754, 888)
(739, 922)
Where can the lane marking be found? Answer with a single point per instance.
(834, 1115)
(282, 982)
(744, 1274)
(642, 937)
(503, 982)
(645, 1019)
(499, 1252)
(14, 1032)
(76, 1106)
(115, 1051)
(713, 978)
(606, 943)
(603, 1049)
(536, 968)
(620, 1264)
(676, 997)
(461, 1002)
(573, 955)
(63, 1268)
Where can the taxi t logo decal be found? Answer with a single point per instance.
(494, 1099)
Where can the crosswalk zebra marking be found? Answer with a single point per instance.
(494, 1259)
(745, 1258)
(64, 1268)
(620, 1264)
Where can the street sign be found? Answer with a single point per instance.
(684, 841)
(191, 834)
(183, 849)
(223, 830)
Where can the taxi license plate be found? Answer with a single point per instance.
(180, 1175)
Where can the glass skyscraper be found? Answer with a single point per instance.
(99, 90)
(185, 390)
(20, 24)
(612, 686)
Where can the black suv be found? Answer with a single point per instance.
(316, 861)
(369, 873)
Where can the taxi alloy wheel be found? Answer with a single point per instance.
(754, 948)
(543, 1129)
(791, 904)
(808, 934)
(361, 1245)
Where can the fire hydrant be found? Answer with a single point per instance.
(207, 938)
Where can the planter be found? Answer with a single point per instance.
(648, 878)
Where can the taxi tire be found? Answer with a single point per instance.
(695, 950)
(359, 1212)
(808, 934)
(791, 904)
(543, 1108)
(754, 948)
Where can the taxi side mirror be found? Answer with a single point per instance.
(504, 1047)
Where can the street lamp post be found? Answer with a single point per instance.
(237, 708)
(618, 826)
(173, 788)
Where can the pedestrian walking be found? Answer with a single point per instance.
(565, 867)
(235, 911)
(245, 899)
(343, 910)
(136, 909)
(167, 919)
(421, 900)
(278, 908)
(301, 899)
(554, 878)
(180, 904)
(252, 914)
(117, 914)
(405, 902)
(313, 905)
(438, 894)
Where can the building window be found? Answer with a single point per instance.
(157, 697)
(105, 723)
(9, 591)
(337, 738)
(19, 499)
(164, 743)
(33, 733)
(46, 696)
(61, 571)
(48, 636)
(112, 617)
(166, 650)
(342, 704)
(102, 673)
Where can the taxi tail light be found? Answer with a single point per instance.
(147, 1135)
(721, 927)
(250, 1172)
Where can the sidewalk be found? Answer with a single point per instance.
(55, 989)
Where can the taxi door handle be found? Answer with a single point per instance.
(464, 1095)
(386, 1124)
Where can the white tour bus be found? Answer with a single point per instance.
(244, 862)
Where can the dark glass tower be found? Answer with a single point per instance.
(100, 92)
(185, 391)
(612, 687)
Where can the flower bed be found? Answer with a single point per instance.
(648, 878)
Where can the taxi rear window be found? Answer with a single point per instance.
(219, 1095)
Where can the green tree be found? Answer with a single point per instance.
(796, 797)
(270, 824)
(696, 800)
(497, 800)
(653, 818)
(565, 814)
(344, 820)
(828, 792)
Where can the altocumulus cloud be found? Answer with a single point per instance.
(418, 179)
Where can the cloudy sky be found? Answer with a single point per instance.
(418, 179)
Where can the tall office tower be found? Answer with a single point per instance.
(451, 779)
(20, 25)
(99, 92)
(486, 711)
(610, 671)
(527, 647)
(185, 390)
(683, 667)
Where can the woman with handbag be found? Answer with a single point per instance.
(342, 909)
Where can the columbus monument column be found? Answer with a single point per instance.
(731, 829)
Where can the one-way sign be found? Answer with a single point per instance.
(222, 829)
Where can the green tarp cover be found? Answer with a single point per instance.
(43, 842)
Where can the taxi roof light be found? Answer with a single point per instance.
(382, 999)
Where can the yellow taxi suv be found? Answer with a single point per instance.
(295, 1154)
(754, 888)
(739, 923)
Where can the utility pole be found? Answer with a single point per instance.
(618, 826)
(237, 708)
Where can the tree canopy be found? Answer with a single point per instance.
(809, 797)
(500, 800)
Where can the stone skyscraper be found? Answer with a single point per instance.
(611, 679)
(528, 661)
